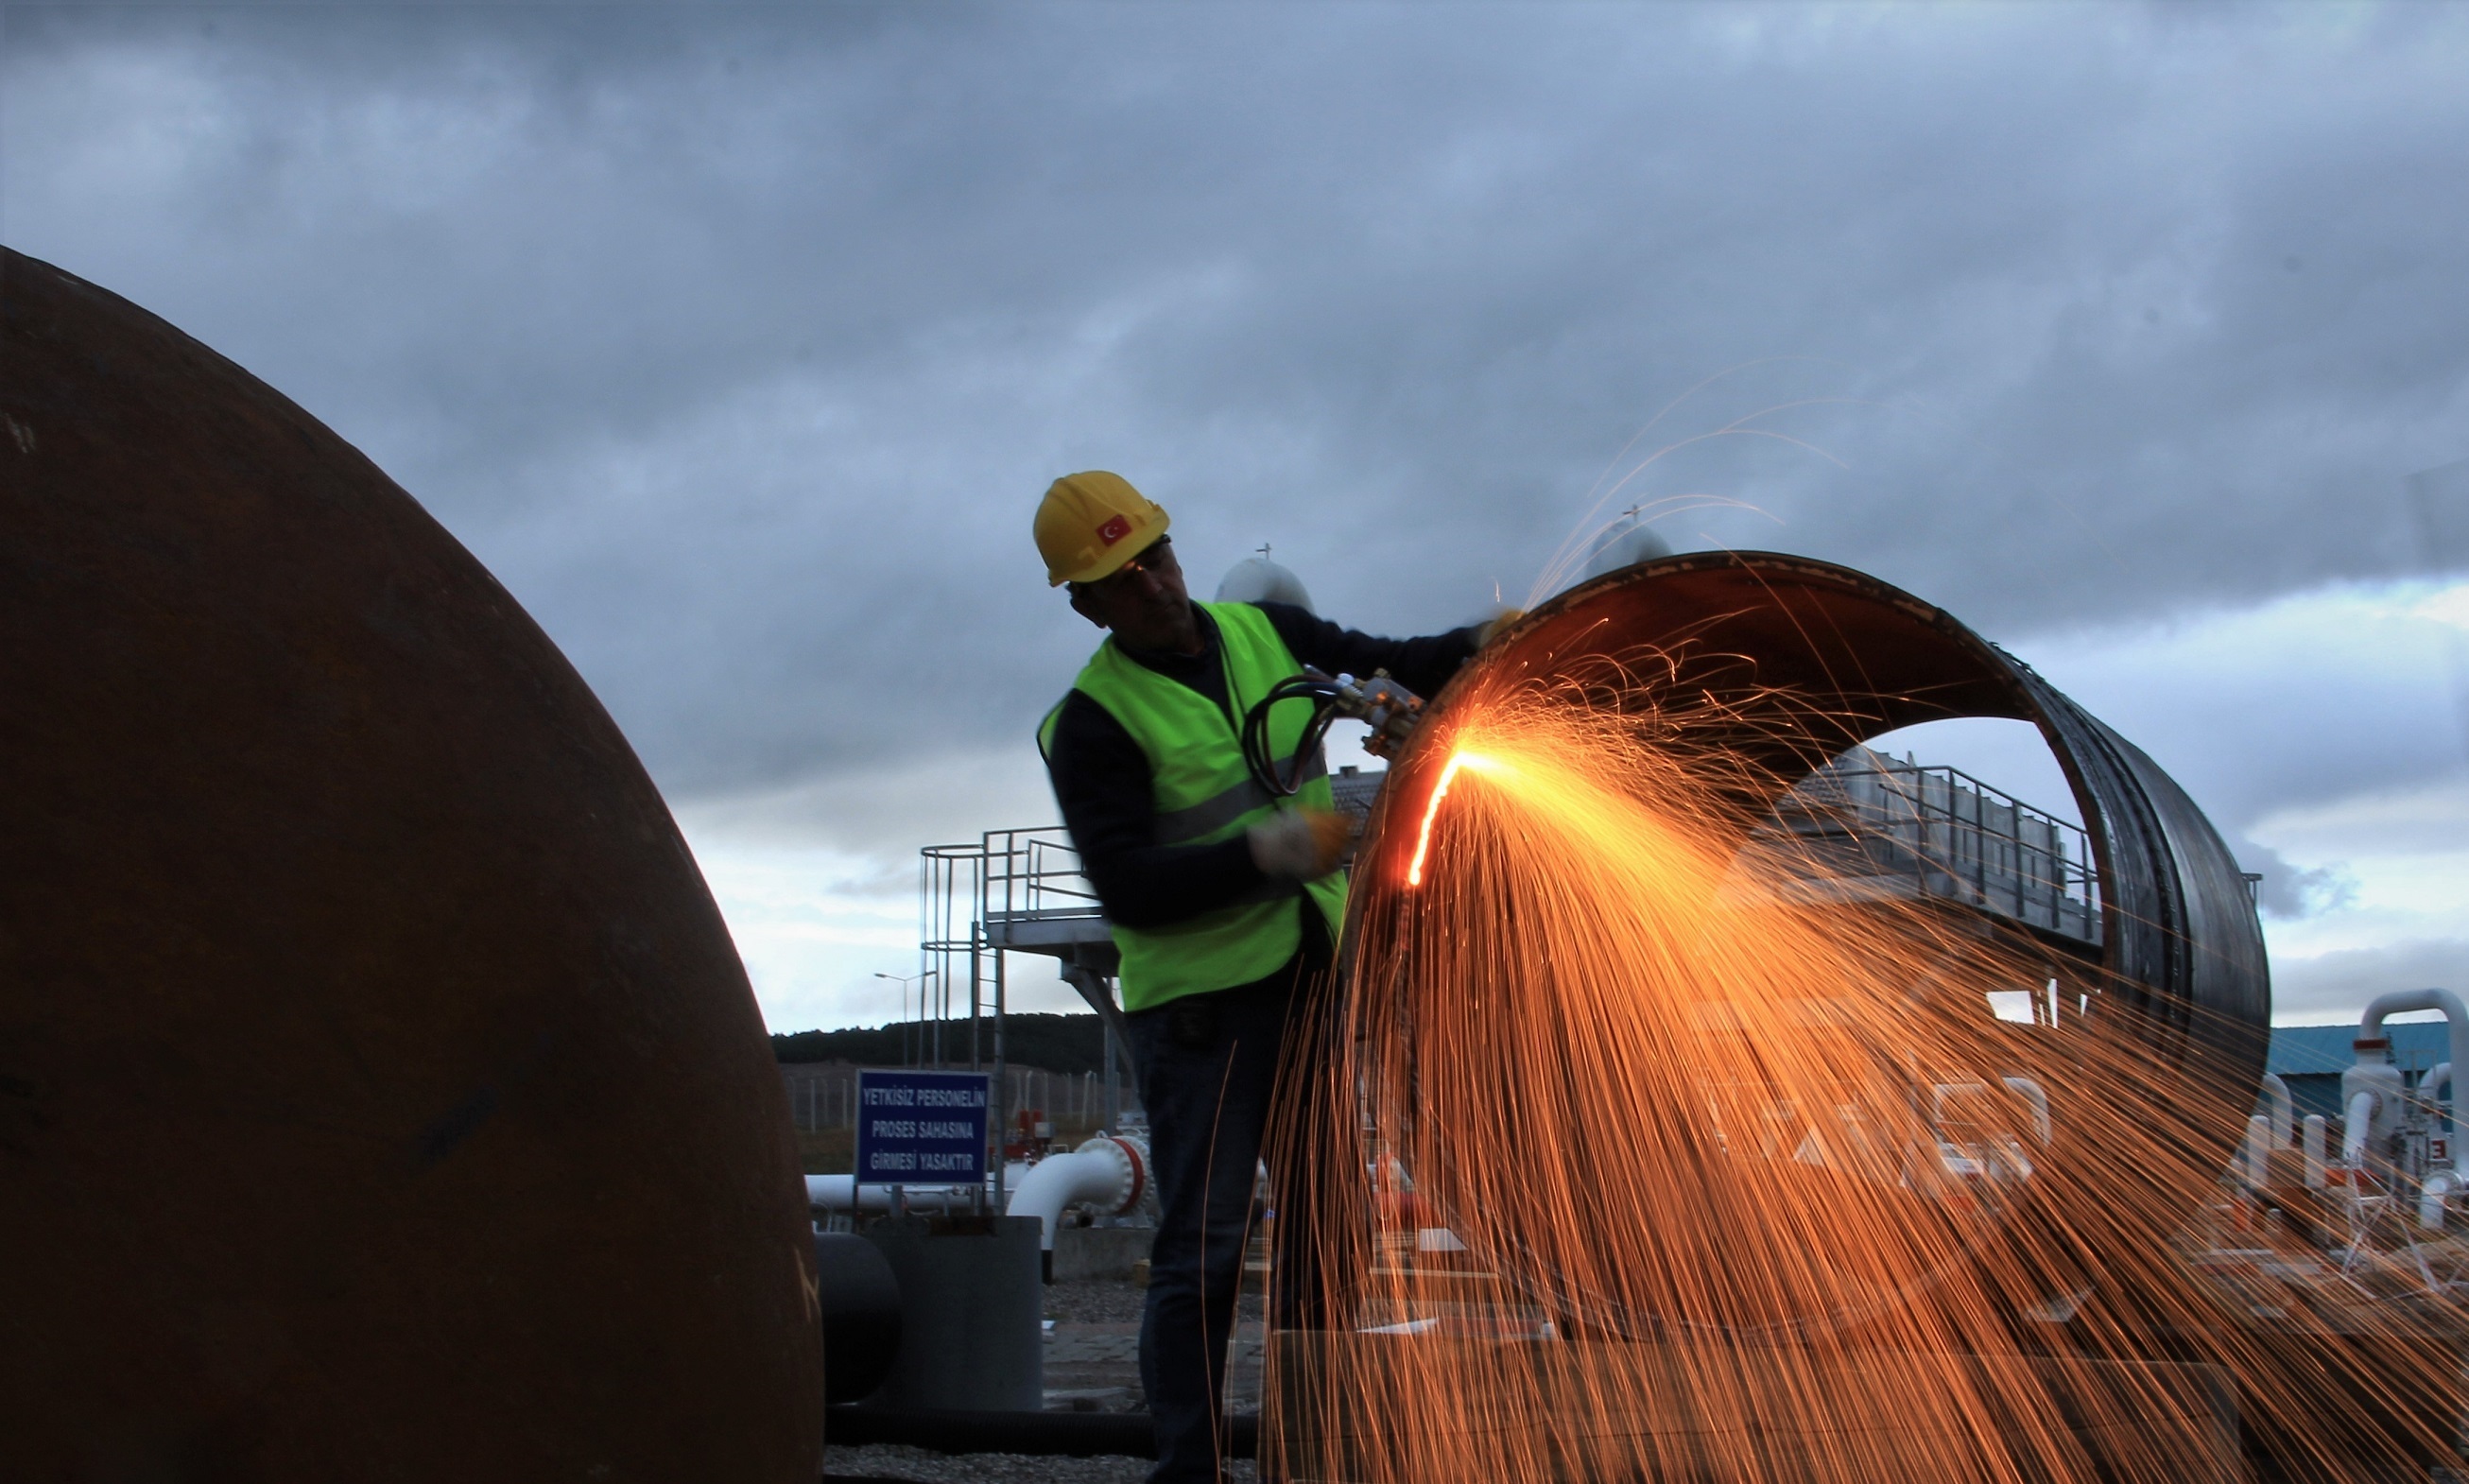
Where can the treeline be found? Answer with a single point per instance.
(1067, 1044)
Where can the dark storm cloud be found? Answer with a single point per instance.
(740, 344)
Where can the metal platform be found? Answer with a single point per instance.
(1868, 824)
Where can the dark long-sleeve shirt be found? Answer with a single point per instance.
(1102, 777)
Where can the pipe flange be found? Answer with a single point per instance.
(1132, 1170)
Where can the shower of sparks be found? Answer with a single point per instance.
(1754, 1185)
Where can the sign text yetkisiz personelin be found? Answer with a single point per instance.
(920, 1127)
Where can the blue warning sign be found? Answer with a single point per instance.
(921, 1127)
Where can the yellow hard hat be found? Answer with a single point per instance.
(1091, 523)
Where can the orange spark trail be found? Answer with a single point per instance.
(1753, 1186)
(1440, 791)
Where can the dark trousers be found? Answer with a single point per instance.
(1208, 1065)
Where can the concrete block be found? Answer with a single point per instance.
(972, 1313)
(1084, 1253)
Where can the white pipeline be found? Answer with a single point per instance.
(839, 1193)
(2310, 1151)
(2431, 1197)
(2284, 1111)
(2353, 1130)
(1110, 1172)
(2372, 1025)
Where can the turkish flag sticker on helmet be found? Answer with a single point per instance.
(1116, 528)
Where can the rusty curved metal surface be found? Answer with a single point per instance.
(1803, 659)
(1813, 657)
(380, 1095)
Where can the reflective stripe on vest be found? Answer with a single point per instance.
(1203, 794)
(1209, 815)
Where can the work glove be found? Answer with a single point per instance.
(1496, 625)
(1299, 845)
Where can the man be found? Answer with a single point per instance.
(1225, 903)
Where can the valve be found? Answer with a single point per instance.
(1389, 709)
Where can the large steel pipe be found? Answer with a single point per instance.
(1813, 658)
(381, 1095)
(1784, 662)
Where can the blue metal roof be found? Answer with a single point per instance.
(2301, 1049)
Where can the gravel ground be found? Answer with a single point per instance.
(1105, 1301)
(1094, 1301)
(893, 1460)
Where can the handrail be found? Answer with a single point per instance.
(981, 901)
(2013, 858)
(1023, 870)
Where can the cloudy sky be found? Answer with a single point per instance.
(739, 342)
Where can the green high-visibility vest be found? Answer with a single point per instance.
(1204, 794)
